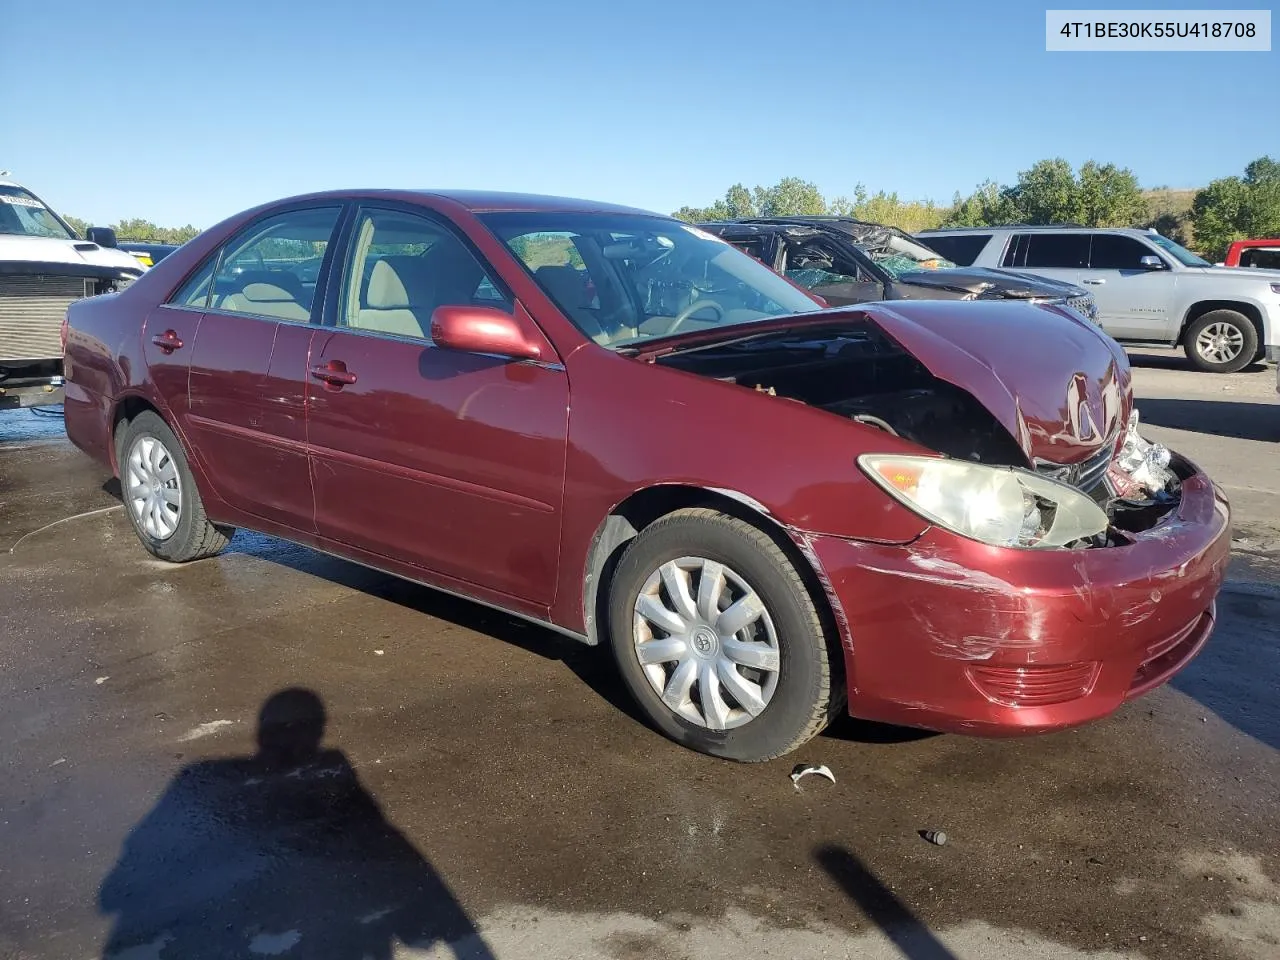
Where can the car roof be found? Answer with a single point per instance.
(480, 201)
(1040, 228)
(832, 222)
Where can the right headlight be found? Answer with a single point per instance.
(1000, 506)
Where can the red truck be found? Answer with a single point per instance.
(1254, 253)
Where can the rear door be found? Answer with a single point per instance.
(446, 461)
(1133, 300)
(248, 380)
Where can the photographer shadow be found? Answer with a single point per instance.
(283, 853)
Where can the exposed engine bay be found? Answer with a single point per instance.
(859, 372)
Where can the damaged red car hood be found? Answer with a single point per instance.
(1059, 385)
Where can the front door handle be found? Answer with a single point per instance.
(1096, 281)
(334, 375)
(168, 341)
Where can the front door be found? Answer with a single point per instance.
(1133, 300)
(450, 462)
(819, 264)
(248, 366)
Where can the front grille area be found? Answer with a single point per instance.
(1084, 305)
(31, 312)
(1083, 476)
(1035, 686)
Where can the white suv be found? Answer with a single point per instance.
(44, 268)
(1148, 288)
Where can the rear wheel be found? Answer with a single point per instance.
(1221, 341)
(718, 638)
(160, 494)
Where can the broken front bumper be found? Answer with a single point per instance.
(950, 634)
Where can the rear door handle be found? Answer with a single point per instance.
(334, 375)
(1096, 281)
(168, 341)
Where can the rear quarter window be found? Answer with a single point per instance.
(961, 249)
(1063, 251)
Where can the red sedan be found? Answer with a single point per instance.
(609, 422)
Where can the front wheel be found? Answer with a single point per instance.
(160, 494)
(718, 638)
(1221, 341)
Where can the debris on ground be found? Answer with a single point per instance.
(804, 769)
(937, 837)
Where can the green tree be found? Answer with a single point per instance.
(1236, 208)
(1108, 196)
(988, 206)
(739, 202)
(1047, 193)
(790, 197)
(1103, 195)
(135, 228)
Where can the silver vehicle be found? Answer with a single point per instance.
(1149, 290)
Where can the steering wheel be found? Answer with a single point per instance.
(690, 310)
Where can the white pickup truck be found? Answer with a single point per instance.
(1148, 288)
(44, 267)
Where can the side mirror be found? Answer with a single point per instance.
(482, 330)
(1151, 262)
(102, 236)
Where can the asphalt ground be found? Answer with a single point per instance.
(437, 779)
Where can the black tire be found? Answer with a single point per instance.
(1230, 318)
(194, 536)
(802, 703)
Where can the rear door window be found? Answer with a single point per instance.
(1062, 251)
(1263, 257)
(271, 268)
(961, 248)
(1110, 251)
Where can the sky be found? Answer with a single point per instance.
(188, 112)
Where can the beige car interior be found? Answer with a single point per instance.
(268, 293)
(399, 293)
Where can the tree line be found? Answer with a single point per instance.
(1097, 195)
(136, 228)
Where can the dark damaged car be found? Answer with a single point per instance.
(847, 261)
(620, 427)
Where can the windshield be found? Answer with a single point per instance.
(22, 214)
(897, 254)
(623, 278)
(1185, 256)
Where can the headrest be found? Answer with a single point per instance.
(386, 289)
(266, 293)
